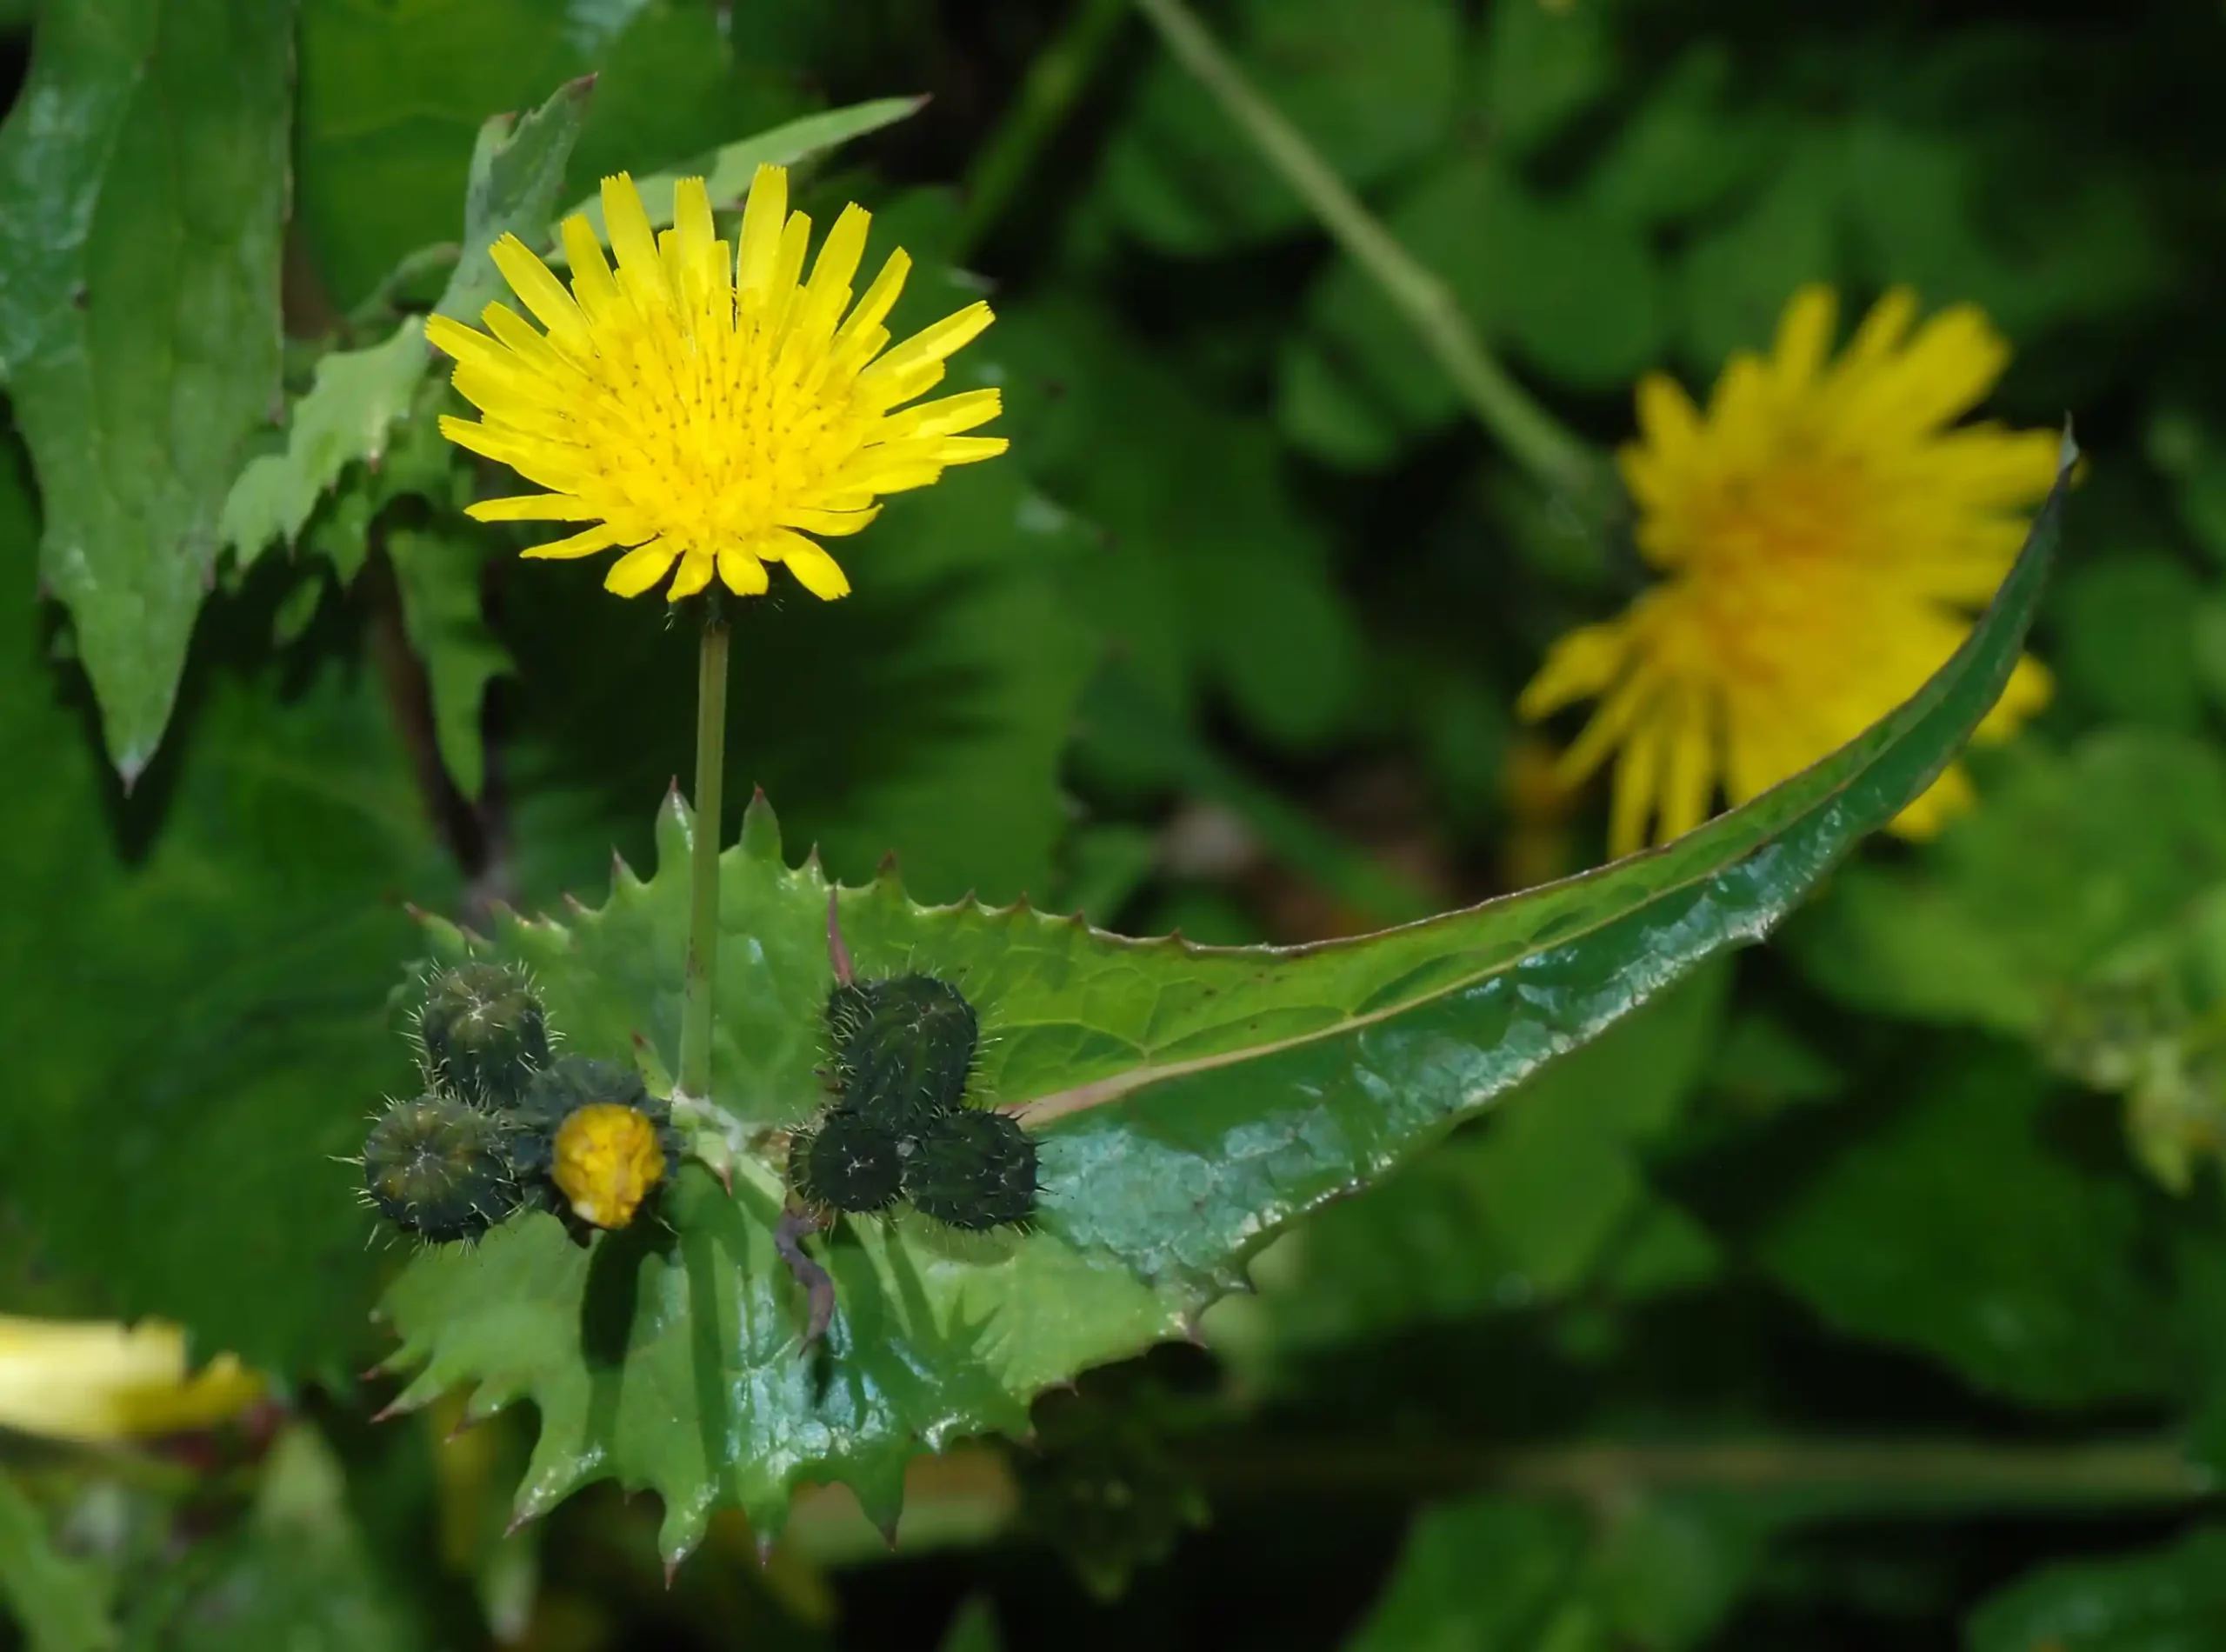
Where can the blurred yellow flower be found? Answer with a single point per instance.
(100, 1382)
(1824, 531)
(708, 406)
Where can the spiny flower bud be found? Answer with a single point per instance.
(973, 1170)
(904, 1049)
(484, 1032)
(436, 1166)
(850, 1162)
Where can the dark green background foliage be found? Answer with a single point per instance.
(1865, 1290)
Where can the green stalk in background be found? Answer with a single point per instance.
(1556, 456)
(1047, 96)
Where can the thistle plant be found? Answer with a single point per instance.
(709, 408)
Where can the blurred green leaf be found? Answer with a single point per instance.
(2068, 856)
(973, 1627)
(1486, 1575)
(1371, 84)
(1109, 1480)
(297, 1575)
(438, 574)
(1686, 147)
(924, 716)
(1736, 275)
(1489, 1573)
(61, 1604)
(2168, 1599)
(1539, 66)
(1959, 1224)
(393, 97)
(2124, 641)
(2187, 451)
(1568, 287)
(142, 186)
(1929, 211)
(684, 75)
(1216, 576)
(1761, 1065)
(727, 171)
(1524, 1209)
(1190, 1102)
(1126, 730)
(192, 1011)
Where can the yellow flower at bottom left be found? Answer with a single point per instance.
(100, 1382)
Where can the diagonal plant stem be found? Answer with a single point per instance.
(1047, 96)
(1870, 1473)
(1556, 456)
(701, 978)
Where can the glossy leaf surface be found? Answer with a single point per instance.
(142, 189)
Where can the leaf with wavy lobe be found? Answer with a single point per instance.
(1188, 1101)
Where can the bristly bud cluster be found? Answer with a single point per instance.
(483, 1031)
(500, 1127)
(901, 1126)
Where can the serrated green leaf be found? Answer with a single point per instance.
(352, 405)
(186, 995)
(1189, 1103)
(517, 166)
(2169, 1599)
(60, 1604)
(727, 170)
(143, 189)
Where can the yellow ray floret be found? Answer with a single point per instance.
(1823, 530)
(607, 1161)
(104, 1381)
(708, 406)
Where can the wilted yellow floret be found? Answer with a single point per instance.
(608, 1161)
(100, 1382)
(707, 405)
(1824, 531)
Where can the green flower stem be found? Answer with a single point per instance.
(1552, 453)
(701, 980)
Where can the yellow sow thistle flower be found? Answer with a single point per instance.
(99, 1382)
(607, 1162)
(705, 405)
(1824, 531)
